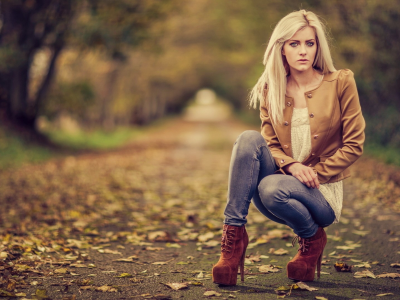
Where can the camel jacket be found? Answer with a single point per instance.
(336, 125)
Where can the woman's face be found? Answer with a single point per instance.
(301, 49)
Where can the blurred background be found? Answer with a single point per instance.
(89, 74)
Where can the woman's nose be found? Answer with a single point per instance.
(303, 50)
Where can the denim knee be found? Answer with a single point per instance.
(271, 191)
(249, 140)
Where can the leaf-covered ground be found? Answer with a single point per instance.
(144, 222)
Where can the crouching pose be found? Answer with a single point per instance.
(312, 130)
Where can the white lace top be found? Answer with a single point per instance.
(301, 148)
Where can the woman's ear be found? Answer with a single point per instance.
(283, 51)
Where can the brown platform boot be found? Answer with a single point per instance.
(309, 256)
(233, 250)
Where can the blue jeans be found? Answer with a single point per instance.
(281, 198)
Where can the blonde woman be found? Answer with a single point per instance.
(312, 130)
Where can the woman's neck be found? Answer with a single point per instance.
(301, 80)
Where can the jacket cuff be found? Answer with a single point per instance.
(282, 162)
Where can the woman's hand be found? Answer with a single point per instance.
(305, 174)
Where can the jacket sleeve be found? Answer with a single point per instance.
(353, 126)
(268, 132)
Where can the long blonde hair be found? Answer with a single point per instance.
(276, 67)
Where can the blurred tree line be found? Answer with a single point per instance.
(121, 62)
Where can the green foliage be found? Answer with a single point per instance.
(74, 98)
(15, 151)
(94, 140)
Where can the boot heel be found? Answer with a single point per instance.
(319, 266)
(241, 265)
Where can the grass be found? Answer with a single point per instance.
(387, 154)
(14, 151)
(94, 140)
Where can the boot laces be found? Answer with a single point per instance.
(304, 243)
(228, 236)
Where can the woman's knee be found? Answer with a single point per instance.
(272, 190)
(249, 140)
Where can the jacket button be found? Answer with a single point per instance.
(315, 136)
(289, 103)
(311, 115)
(282, 161)
(309, 95)
(285, 146)
(286, 123)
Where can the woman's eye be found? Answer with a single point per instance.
(293, 44)
(310, 44)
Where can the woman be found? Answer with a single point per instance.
(312, 130)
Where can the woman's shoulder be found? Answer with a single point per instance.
(340, 75)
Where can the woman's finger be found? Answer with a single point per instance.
(304, 180)
(310, 179)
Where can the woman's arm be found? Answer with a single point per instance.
(353, 126)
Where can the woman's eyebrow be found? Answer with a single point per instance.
(299, 41)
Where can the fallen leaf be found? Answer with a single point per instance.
(109, 251)
(363, 265)
(206, 237)
(78, 265)
(124, 275)
(342, 267)
(176, 286)
(106, 288)
(304, 286)
(267, 269)
(395, 265)
(41, 293)
(386, 294)
(254, 258)
(154, 248)
(160, 263)
(129, 259)
(364, 274)
(172, 245)
(61, 271)
(361, 233)
(320, 298)
(388, 275)
(211, 294)
(210, 244)
(280, 251)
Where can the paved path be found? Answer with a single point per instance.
(157, 204)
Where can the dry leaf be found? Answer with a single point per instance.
(395, 265)
(129, 259)
(320, 298)
(124, 275)
(176, 286)
(386, 294)
(206, 237)
(106, 288)
(211, 294)
(363, 265)
(388, 275)
(280, 251)
(61, 271)
(109, 251)
(160, 263)
(254, 258)
(304, 286)
(268, 269)
(342, 267)
(364, 274)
